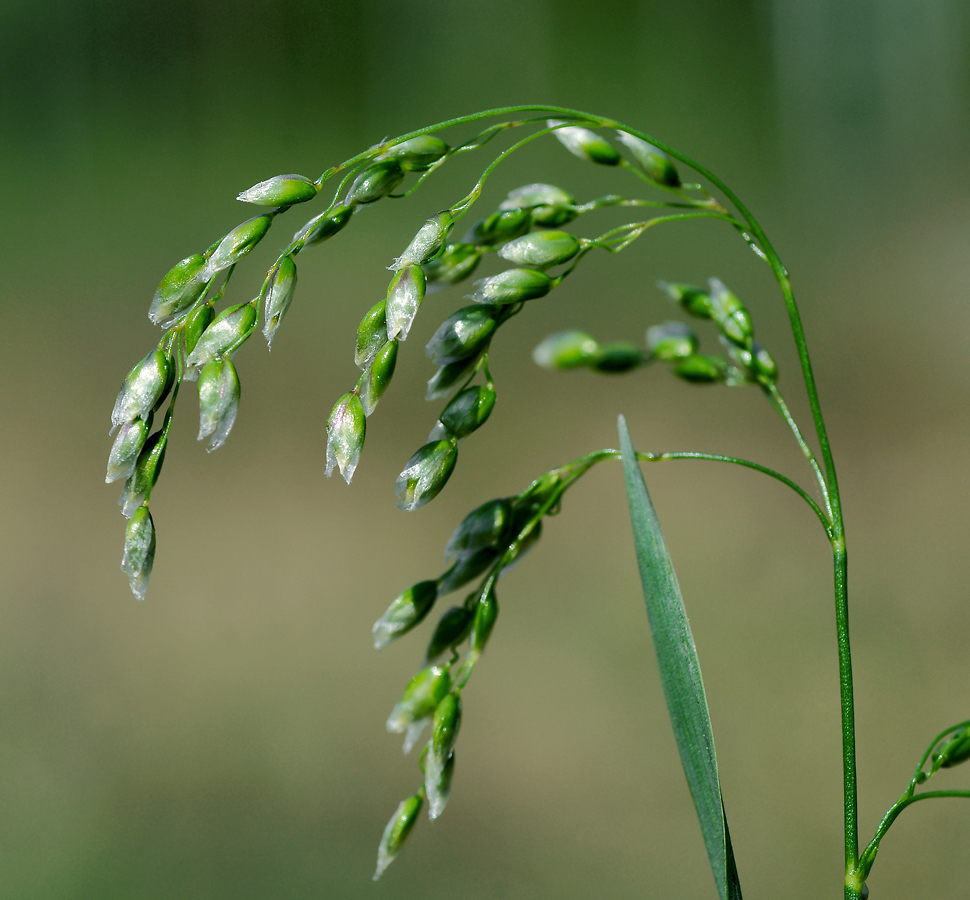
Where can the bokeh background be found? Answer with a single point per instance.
(226, 737)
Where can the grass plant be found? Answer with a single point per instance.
(528, 231)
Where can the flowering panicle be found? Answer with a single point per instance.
(525, 232)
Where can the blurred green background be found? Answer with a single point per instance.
(226, 738)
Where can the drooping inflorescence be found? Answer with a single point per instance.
(532, 232)
(527, 232)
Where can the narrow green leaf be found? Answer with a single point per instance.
(680, 673)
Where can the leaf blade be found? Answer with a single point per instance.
(680, 673)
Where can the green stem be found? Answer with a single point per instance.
(849, 778)
(798, 489)
(636, 229)
(779, 404)
(579, 467)
(460, 208)
(441, 126)
(908, 799)
(613, 200)
(465, 672)
(475, 143)
(670, 189)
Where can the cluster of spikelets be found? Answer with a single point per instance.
(488, 542)
(199, 345)
(526, 231)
